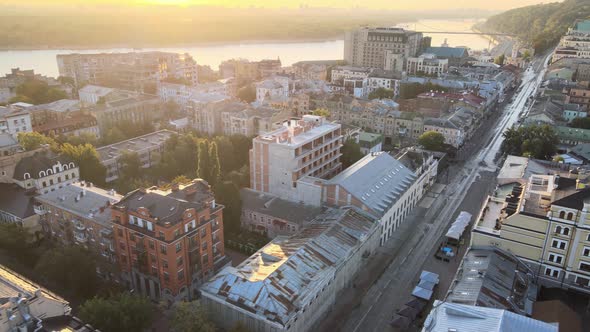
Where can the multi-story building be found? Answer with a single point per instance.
(306, 147)
(575, 43)
(370, 47)
(384, 79)
(93, 94)
(540, 214)
(183, 94)
(269, 67)
(169, 242)
(273, 88)
(18, 207)
(292, 282)
(139, 71)
(80, 214)
(580, 96)
(456, 56)
(314, 70)
(63, 117)
(454, 135)
(252, 121)
(45, 171)
(127, 106)
(147, 147)
(14, 120)
(341, 74)
(427, 64)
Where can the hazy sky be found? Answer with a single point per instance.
(372, 4)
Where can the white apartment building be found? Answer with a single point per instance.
(342, 73)
(183, 94)
(385, 79)
(575, 43)
(272, 88)
(14, 120)
(427, 64)
(453, 134)
(92, 94)
(44, 172)
(309, 147)
(367, 47)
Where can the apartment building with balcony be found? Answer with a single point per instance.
(169, 241)
(540, 214)
(148, 147)
(309, 146)
(79, 214)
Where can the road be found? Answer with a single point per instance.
(424, 229)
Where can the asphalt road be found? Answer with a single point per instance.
(413, 245)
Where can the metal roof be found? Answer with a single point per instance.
(287, 274)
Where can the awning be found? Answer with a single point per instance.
(422, 293)
(426, 284)
(459, 225)
(429, 276)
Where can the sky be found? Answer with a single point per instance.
(369, 4)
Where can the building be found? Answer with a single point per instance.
(138, 71)
(292, 282)
(269, 67)
(45, 171)
(538, 213)
(273, 216)
(65, 117)
(14, 119)
(575, 43)
(148, 147)
(454, 134)
(183, 94)
(93, 94)
(17, 207)
(382, 79)
(127, 107)
(314, 70)
(169, 242)
(369, 47)
(79, 214)
(456, 56)
(383, 187)
(26, 305)
(252, 121)
(306, 147)
(427, 64)
(447, 316)
(573, 111)
(580, 96)
(8, 146)
(370, 142)
(273, 88)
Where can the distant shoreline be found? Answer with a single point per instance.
(183, 45)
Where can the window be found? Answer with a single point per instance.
(120, 231)
(570, 216)
(163, 249)
(555, 258)
(586, 252)
(67, 177)
(583, 281)
(559, 244)
(152, 258)
(165, 263)
(166, 276)
(551, 272)
(154, 270)
(585, 267)
(180, 274)
(161, 235)
(588, 237)
(151, 244)
(178, 246)
(176, 233)
(566, 231)
(179, 261)
(122, 245)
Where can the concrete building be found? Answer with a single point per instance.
(273, 216)
(138, 71)
(427, 64)
(8, 146)
(79, 214)
(575, 43)
(369, 47)
(314, 70)
(93, 94)
(573, 111)
(306, 147)
(252, 121)
(456, 56)
(273, 88)
(127, 106)
(14, 120)
(26, 305)
(292, 282)
(183, 95)
(147, 147)
(65, 117)
(370, 142)
(385, 79)
(538, 213)
(45, 171)
(169, 242)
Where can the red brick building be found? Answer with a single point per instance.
(169, 242)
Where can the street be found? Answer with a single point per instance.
(412, 247)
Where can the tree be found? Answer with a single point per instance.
(432, 140)
(204, 168)
(214, 167)
(57, 266)
(129, 166)
(381, 93)
(247, 93)
(228, 194)
(321, 112)
(499, 60)
(191, 317)
(412, 90)
(79, 139)
(15, 240)
(226, 154)
(33, 140)
(351, 153)
(583, 123)
(118, 313)
(86, 157)
(39, 92)
(534, 141)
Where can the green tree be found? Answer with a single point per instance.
(82, 138)
(130, 165)
(247, 93)
(15, 240)
(228, 194)
(204, 165)
(538, 142)
(226, 154)
(499, 60)
(214, 166)
(412, 90)
(191, 317)
(381, 93)
(39, 92)
(321, 112)
(351, 153)
(432, 140)
(86, 157)
(33, 140)
(583, 123)
(119, 313)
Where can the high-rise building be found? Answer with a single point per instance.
(169, 242)
(367, 47)
(306, 147)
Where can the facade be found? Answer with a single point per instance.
(454, 135)
(79, 214)
(183, 94)
(456, 56)
(575, 43)
(292, 282)
(14, 120)
(306, 147)
(63, 117)
(252, 121)
(427, 64)
(138, 71)
(169, 242)
(314, 70)
(385, 79)
(370, 142)
(573, 111)
(367, 47)
(45, 171)
(129, 107)
(273, 88)
(93, 94)
(580, 96)
(273, 216)
(148, 147)
(17, 207)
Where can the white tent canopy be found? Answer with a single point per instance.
(429, 276)
(422, 293)
(459, 225)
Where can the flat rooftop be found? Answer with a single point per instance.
(295, 133)
(136, 144)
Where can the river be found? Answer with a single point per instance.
(44, 61)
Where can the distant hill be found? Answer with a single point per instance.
(541, 25)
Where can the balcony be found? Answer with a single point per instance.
(79, 226)
(39, 209)
(80, 237)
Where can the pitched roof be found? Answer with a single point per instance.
(40, 161)
(16, 200)
(377, 180)
(278, 208)
(447, 52)
(574, 201)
